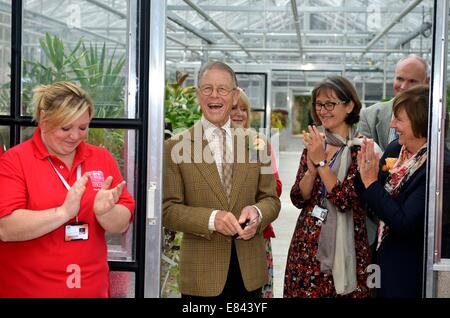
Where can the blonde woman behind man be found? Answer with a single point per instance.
(240, 116)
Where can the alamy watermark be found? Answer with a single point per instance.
(74, 18)
(374, 276)
(249, 146)
(74, 278)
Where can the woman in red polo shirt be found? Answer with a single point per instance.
(59, 195)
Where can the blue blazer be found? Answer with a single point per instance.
(400, 255)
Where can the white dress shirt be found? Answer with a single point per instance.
(215, 145)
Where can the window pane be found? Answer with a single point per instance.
(5, 57)
(445, 241)
(79, 41)
(4, 138)
(301, 115)
(26, 133)
(121, 143)
(257, 118)
(254, 85)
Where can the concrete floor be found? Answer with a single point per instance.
(288, 162)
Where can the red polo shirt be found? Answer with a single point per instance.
(48, 266)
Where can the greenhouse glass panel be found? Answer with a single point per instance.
(445, 238)
(4, 138)
(5, 56)
(80, 41)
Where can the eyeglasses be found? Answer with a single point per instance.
(222, 91)
(328, 105)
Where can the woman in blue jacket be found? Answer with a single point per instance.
(396, 195)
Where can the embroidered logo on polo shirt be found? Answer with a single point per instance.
(97, 178)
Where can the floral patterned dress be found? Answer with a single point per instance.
(303, 277)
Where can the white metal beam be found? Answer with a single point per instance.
(208, 18)
(394, 21)
(297, 28)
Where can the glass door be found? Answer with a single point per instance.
(104, 46)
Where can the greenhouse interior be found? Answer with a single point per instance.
(139, 61)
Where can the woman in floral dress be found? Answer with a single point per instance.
(329, 252)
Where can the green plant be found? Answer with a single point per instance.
(303, 114)
(278, 118)
(181, 106)
(5, 98)
(448, 98)
(99, 75)
(170, 270)
(102, 79)
(181, 112)
(256, 118)
(58, 67)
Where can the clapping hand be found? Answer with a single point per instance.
(315, 144)
(106, 198)
(306, 142)
(71, 205)
(368, 162)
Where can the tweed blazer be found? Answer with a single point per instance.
(192, 190)
(374, 122)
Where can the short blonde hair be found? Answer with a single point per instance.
(61, 102)
(244, 99)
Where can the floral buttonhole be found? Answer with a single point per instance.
(390, 162)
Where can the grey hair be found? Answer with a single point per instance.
(217, 65)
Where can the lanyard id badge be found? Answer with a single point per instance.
(319, 213)
(75, 231)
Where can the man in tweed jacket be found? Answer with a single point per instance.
(218, 256)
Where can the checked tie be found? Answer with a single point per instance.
(227, 164)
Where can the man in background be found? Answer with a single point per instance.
(375, 120)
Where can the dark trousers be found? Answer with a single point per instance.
(234, 286)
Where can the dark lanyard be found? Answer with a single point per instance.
(322, 185)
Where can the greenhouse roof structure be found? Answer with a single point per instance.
(347, 35)
(355, 35)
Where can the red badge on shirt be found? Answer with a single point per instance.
(97, 178)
